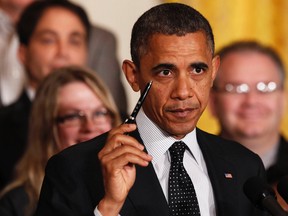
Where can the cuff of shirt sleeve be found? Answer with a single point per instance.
(98, 213)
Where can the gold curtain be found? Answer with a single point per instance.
(262, 20)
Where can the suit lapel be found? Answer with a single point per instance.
(222, 174)
(146, 195)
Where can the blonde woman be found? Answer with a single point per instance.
(72, 105)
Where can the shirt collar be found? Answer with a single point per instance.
(6, 25)
(30, 92)
(157, 141)
(270, 157)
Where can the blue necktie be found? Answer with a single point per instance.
(181, 193)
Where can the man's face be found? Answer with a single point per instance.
(59, 40)
(182, 71)
(253, 114)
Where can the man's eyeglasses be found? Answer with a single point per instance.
(244, 88)
(79, 118)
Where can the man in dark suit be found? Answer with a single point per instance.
(116, 173)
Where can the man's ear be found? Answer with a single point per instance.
(131, 74)
(211, 104)
(22, 50)
(215, 67)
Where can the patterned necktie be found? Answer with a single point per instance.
(182, 196)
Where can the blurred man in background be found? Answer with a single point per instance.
(248, 99)
(12, 75)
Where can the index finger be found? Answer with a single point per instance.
(122, 129)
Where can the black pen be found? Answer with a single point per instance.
(133, 115)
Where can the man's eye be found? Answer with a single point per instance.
(198, 70)
(47, 40)
(76, 41)
(165, 72)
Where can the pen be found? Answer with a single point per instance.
(133, 115)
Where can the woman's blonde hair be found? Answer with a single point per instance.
(43, 139)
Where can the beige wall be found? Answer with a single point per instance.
(119, 17)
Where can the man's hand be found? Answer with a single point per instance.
(118, 158)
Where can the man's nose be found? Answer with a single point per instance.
(252, 96)
(62, 49)
(182, 87)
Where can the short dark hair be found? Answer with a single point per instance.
(254, 46)
(34, 11)
(168, 19)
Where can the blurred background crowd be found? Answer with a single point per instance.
(96, 45)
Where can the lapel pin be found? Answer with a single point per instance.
(228, 175)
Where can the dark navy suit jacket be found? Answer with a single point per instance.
(13, 135)
(73, 182)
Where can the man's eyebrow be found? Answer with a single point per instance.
(44, 32)
(77, 33)
(163, 66)
(199, 65)
(172, 66)
(52, 32)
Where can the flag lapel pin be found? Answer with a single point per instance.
(228, 175)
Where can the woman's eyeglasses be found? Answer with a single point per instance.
(79, 118)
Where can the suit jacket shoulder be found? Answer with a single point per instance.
(227, 148)
(73, 176)
(13, 136)
(229, 165)
(22, 104)
(280, 168)
(13, 203)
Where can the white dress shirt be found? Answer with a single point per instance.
(157, 143)
(12, 75)
(270, 157)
